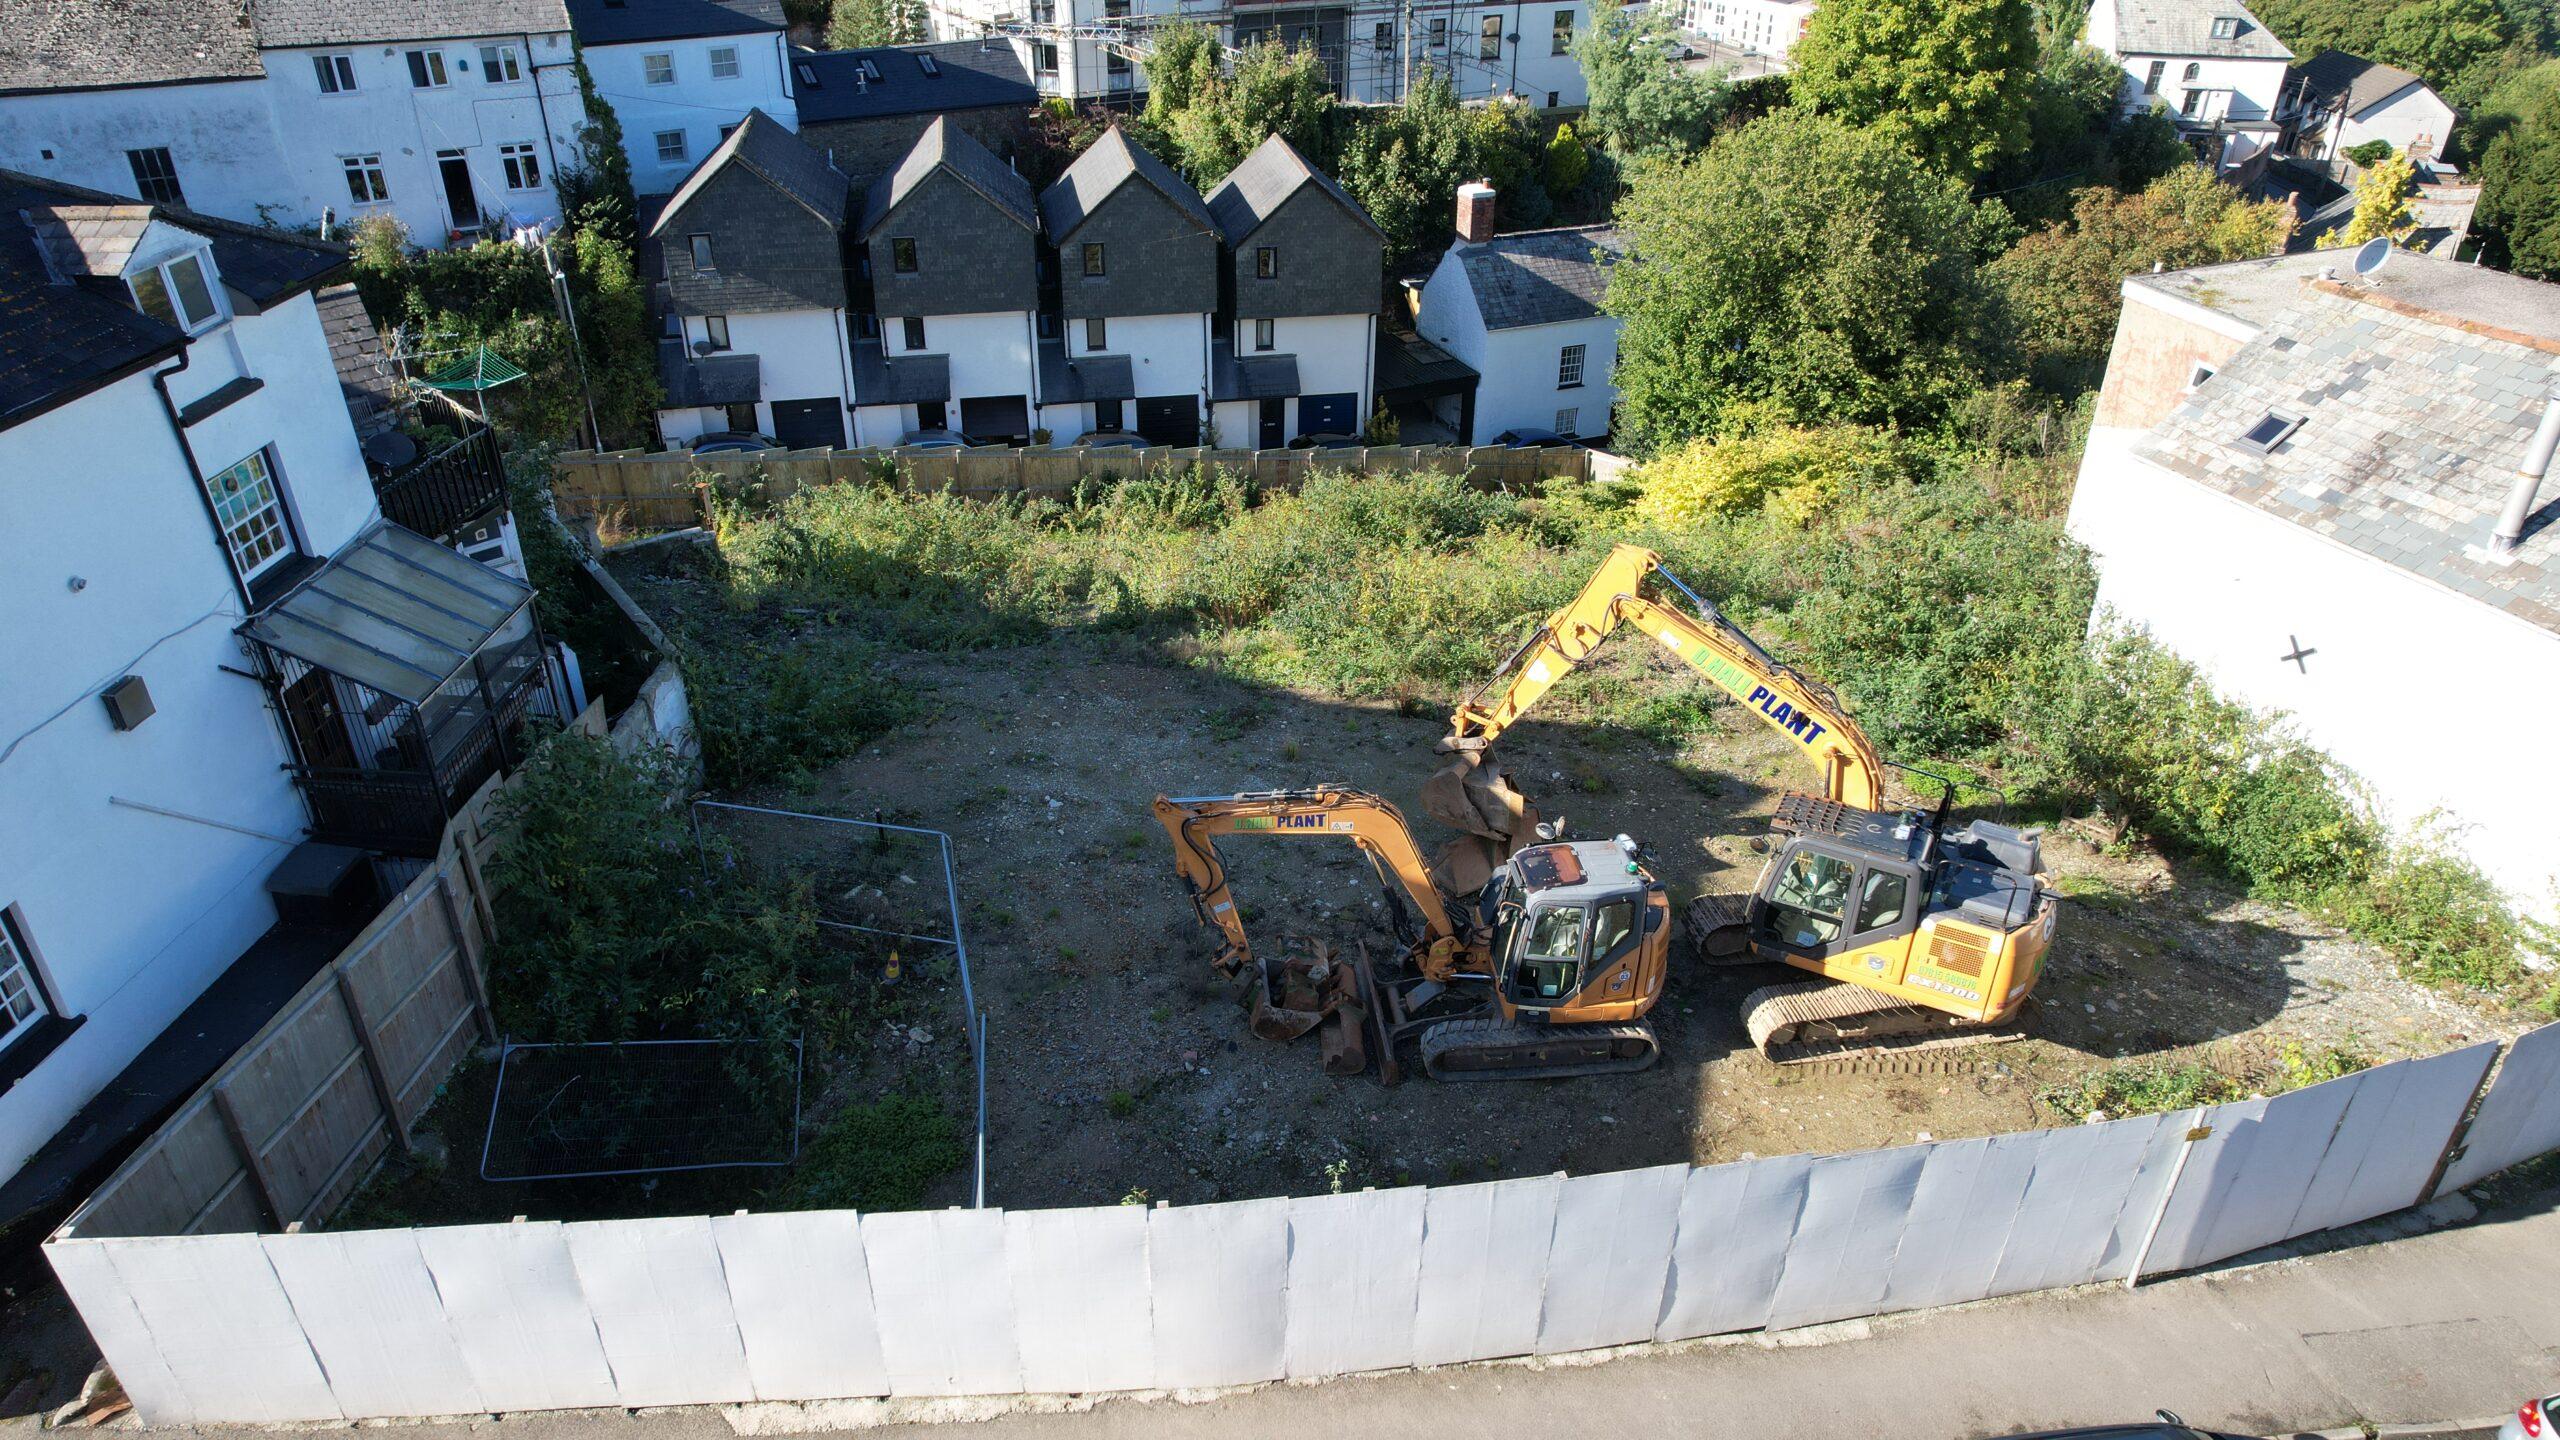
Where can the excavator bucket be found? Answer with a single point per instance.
(1282, 1004)
(1472, 796)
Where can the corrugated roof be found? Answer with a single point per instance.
(86, 44)
(968, 75)
(1541, 277)
(1256, 189)
(2412, 427)
(624, 22)
(2185, 27)
(784, 160)
(946, 146)
(2364, 83)
(352, 22)
(1105, 165)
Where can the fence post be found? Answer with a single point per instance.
(2458, 1141)
(463, 956)
(250, 1160)
(373, 1067)
(2195, 1132)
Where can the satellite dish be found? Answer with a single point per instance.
(390, 449)
(2371, 254)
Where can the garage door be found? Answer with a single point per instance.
(996, 417)
(1169, 419)
(809, 424)
(1328, 414)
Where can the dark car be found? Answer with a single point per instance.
(935, 440)
(1529, 439)
(733, 440)
(1113, 440)
(1322, 441)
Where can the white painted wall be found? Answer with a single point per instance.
(2233, 588)
(131, 914)
(697, 102)
(1755, 27)
(800, 354)
(221, 136)
(990, 353)
(1335, 354)
(1520, 366)
(2415, 114)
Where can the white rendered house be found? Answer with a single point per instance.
(1524, 311)
(681, 74)
(1134, 255)
(2336, 101)
(1295, 350)
(2209, 65)
(1754, 27)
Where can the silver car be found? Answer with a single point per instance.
(2532, 1421)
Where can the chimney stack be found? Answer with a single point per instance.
(1475, 212)
(2536, 464)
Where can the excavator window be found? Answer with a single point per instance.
(1551, 955)
(1809, 897)
(1617, 921)
(1882, 899)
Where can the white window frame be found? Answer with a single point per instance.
(24, 1006)
(263, 519)
(164, 273)
(499, 66)
(682, 151)
(1570, 363)
(724, 63)
(336, 73)
(364, 173)
(1096, 335)
(715, 331)
(2226, 27)
(522, 164)
(658, 68)
(1569, 421)
(427, 70)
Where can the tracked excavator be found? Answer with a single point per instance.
(1923, 936)
(1545, 969)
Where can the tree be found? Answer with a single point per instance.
(2062, 284)
(1273, 90)
(1799, 271)
(1566, 164)
(1180, 67)
(1952, 79)
(2382, 201)
(2461, 47)
(2520, 190)
(1642, 103)
(1404, 163)
(860, 24)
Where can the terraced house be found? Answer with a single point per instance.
(1297, 337)
(1132, 267)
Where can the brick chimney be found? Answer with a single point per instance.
(1475, 212)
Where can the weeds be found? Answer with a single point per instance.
(881, 1156)
(2157, 1086)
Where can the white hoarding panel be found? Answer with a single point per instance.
(802, 1294)
(88, 1276)
(661, 1306)
(2087, 1186)
(224, 1328)
(1221, 1273)
(371, 1311)
(2520, 1116)
(511, 1295)
(1484, 1269)
(1854, 1209)
(1611, 1258)
(944, 1301)
(1080, 1298)
(1736, 1222)
(1355, 1270)
(2391, 1137)
(1969, 1196)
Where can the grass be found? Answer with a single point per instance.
(881, 1156)
(2161, 1084)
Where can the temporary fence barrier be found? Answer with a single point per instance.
(822, 1304)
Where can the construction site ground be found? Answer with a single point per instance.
(1120, 1063)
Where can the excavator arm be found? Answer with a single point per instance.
(1325, 812)
(1794, 704)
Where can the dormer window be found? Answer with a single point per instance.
(178, 292)
(2226, 27)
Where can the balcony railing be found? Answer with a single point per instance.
(436, 495)
(401, 808)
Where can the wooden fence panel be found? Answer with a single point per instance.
(986, 472)
(1054, 474)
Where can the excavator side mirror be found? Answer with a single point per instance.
(1551, 829)
(1759, 844)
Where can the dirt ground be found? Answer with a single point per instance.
(1119, 1063)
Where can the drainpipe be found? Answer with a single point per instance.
(195, 471)
(2537, 463)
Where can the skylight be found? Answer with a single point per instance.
(2271, 430)
(808, 74)
(931, 67)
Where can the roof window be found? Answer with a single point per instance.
(2226, 27)
(870, 72)
(808, 74)
(2272, 429)
(931, 67)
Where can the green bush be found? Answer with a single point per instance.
(2144, 1087)
(2445, 919)
(2368, 152)
(1794, 471)
(882, 1156)
(768, 711)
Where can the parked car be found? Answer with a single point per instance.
(733, 440)
(1529, 439)
(2533, 1420)
(2166, 1427)
(935, 440)
(1113, 440)
(1322, 441)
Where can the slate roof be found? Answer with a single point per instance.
(2412, 429)
(61, 338)
(365, 375)
(973, 76)
(1066, 380)
(946, 146)
(83, 44)
(2364, 83)
(787, 162)
(1109, 162)
(1256, 189)
(92, 240)
(1541, 277)
(624, 22)
(356, 22)
(693, 381)
(1249, 377)
(2185, 27)
(881, 379)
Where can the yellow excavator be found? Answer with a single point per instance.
(1546, 970)
(1923, 936)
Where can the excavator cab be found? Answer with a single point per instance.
(1569, 922)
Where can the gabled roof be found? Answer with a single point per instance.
(1540, 277)
(359, 22)
(62, 336)
(88, 44)
(1106, 164)
(2364, 83)
(945, 146)
(1256, 189)
(91, 240)
(964, 75)
(2412, 428)
(2185, 27)
(783, 160)
(624, 22)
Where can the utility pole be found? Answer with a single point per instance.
(577, 346)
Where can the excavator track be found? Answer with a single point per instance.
(1825, 1020)
(1492, 1049)
(1718, 927)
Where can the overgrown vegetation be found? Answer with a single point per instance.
(2158, 1086)
(881, 1156)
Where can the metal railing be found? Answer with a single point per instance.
(399, 811)
(439, 493)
